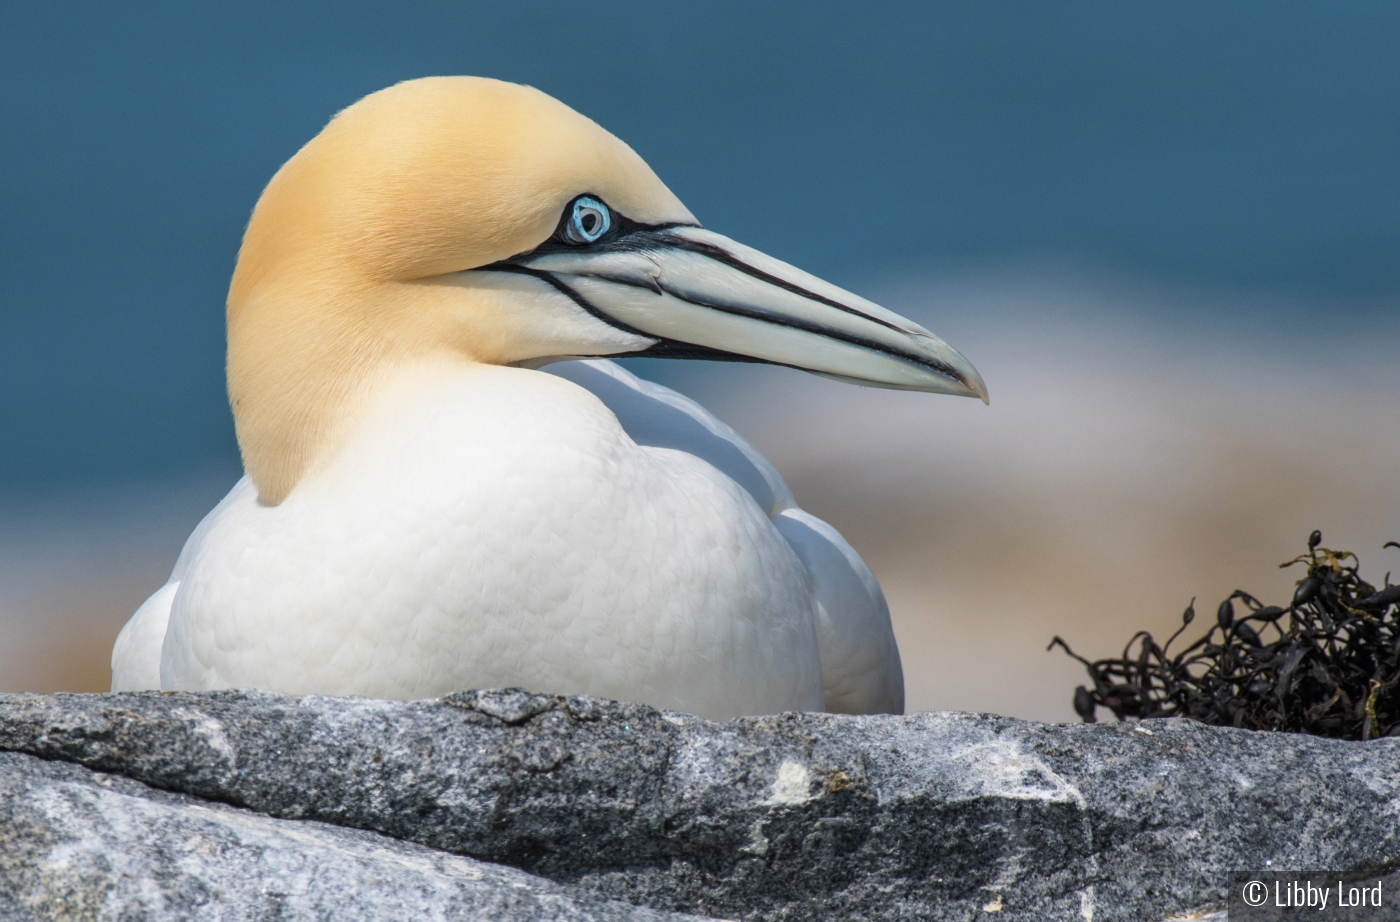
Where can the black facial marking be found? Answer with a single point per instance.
(625, 235)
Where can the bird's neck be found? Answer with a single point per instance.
(303, 361)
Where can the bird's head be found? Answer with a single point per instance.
(476, 220)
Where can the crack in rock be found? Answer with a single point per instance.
(793, 816)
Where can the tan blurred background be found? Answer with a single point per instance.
(1127, 463)
(1139, 450)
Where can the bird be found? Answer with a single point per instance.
(449, 483)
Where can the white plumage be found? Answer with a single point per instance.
(501, 527)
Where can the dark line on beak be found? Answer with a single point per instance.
(722, 256)
(551, 279)
(638, 238)
(662, 348)
(669, 348)
(946, 371)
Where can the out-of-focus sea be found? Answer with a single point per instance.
(1143, 446)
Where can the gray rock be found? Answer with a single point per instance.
(810, 816)
(78, 844)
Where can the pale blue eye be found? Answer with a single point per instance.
(589, 219)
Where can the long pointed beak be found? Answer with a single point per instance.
(701, 294)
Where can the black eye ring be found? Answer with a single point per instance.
(585, 221)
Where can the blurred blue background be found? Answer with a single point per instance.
(1248, 145)
(1244, 154)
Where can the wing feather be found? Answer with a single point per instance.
(861, 672)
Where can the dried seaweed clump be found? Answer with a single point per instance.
(1328, 664)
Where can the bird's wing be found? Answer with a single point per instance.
(136, 654)
(661, 418)
(861, 672)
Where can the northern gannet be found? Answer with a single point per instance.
(428, 508)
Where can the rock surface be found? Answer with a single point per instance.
(77, 844)
(799, 816)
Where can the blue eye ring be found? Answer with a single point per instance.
(588, 220)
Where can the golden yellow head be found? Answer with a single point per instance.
(431, 222)
(439, 175)
(411, 184)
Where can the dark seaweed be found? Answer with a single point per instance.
(1327, 664)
